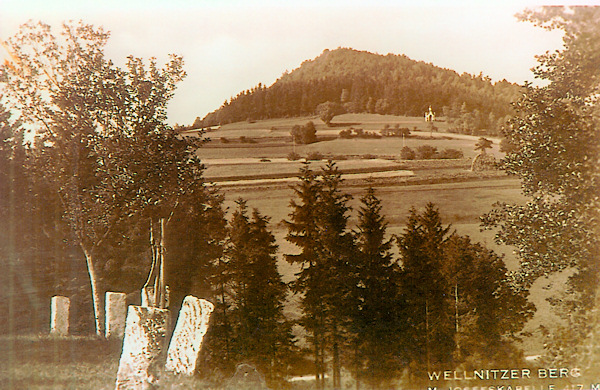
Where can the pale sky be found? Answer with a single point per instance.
(230, 46)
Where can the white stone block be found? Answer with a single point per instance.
(59, 315)
(116, 313)
(144, 341)
(186, 342)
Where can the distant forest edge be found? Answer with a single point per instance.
(363, 82)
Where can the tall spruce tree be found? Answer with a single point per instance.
(337, 255)
(260, 333)
(318, 226)
(376, 309)
(425, 289)
(303, 232)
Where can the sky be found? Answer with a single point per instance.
(231, 45)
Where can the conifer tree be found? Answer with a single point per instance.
(376, 308)
(303, 232)
(431, 333)
(261, 333)
(318, 226)
(337, 255)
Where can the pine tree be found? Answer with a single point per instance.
(261, 333)
(431, 332)
(318, 226)
(303, 232)
(336, 255)
(375, 307)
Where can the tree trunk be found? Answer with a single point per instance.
(456, 316)
(96, 295)
(337, 371)
(428, 355)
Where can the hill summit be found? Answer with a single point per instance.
(361, 81)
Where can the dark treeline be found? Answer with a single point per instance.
(364, 82)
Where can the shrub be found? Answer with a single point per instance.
(345, 134)
(293, 156)
(314, 156)
(451, 153)
(407, 153)
(246, 140)
(368, 156)
(306, 134)
(426, 152)
(224, 140)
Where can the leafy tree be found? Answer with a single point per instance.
(555, 140)
(426, 152)
(306, 134)
(328, 110)
(104, 144)
(481, 288)
(407, 153)
(506, 146)
(197, 123)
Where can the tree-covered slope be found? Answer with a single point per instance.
(365, 82)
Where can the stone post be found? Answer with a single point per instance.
(116, 313)
(59, 315)
(191, 327)
(145, 332)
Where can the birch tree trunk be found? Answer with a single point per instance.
(96, 295)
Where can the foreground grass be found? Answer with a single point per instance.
(74, 362)
(44, 362)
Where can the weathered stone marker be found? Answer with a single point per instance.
(59, 315)
(186, 342)
(144, 341)
(116, 313)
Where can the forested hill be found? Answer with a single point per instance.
(365, 82)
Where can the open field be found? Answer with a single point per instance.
(271, 138)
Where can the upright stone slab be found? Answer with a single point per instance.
(191, 327)
(59, 315)
(116, 313)
(144, 341)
